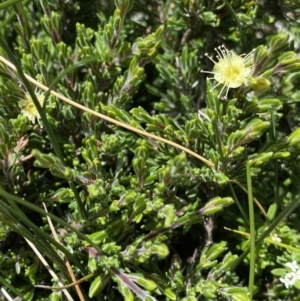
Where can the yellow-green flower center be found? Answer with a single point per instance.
(231, 71)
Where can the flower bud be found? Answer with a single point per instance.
(259, 84)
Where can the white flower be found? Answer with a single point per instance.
(293, 266)
(28, 108)
(231, 70)
(291, 277)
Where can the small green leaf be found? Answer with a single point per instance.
(279, 42)
(272, 211)
(279, 272)
(98, 237)
(170, 294)
(161, 250)
(95, 286)
(240, 297)
(148, 284)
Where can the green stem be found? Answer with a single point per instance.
(252, 231)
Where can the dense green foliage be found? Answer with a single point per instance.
(144, 219)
